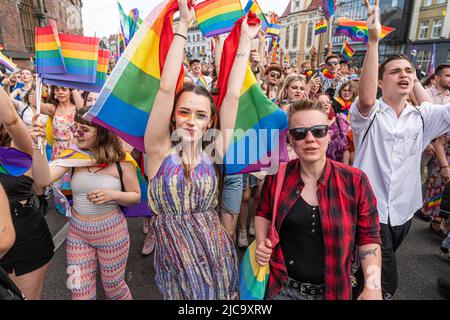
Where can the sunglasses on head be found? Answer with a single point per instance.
(317, 131)
(275, 74)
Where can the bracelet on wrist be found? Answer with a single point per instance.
(42, 147)
(180, 35)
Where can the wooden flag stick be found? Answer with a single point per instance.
(38, 107)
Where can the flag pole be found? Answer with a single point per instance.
(38, 107)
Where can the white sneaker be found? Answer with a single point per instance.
(242, 240)
(251, 230)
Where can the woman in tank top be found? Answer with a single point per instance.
(98, 231)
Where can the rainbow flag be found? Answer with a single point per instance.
(327, 74)
(253, 6)
(49, 56)
(102, 74)
(329, 8)
(261, 127)
(74, 157)
(124, 24)
(434, 202)
(347, 51)
(358, 30)
(321, 27)
(274, 29)
(122, 45)
(14, 162)
(126, 100)
(7, 63)
(135, 22)
(216, 17)
(80, 58)
(253, 278)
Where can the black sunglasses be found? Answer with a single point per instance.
(332, 63)
(317, 131)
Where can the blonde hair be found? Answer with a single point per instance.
(304, 105)
(289, 80)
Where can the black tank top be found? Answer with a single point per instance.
(17, 188)
(302, 243)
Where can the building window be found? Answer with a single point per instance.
(309, 35)
(288, 31)
(424, 58)
(295, 36)
(394, 3)
(448, 57)
(297, 5)
(26, 11)
(423, 31)
(437, 28)
(427, 3)
(441, 1)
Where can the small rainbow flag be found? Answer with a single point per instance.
(321, 27)
(253, 6)
(7, 63)
(358, 30)
(308, 73)
(434, 202)
(347, 51)
(102, 74)
(274, 29)
(329, 8)
(261, 127)
(216, 17)
(80, 58)
(327, 74)
(125, 103)
(49, 56)
(14, 162)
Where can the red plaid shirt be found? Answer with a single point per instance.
(348, 213)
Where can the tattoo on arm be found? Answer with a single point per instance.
(370, 252)
(241, 55)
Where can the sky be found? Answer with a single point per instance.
(101, 17)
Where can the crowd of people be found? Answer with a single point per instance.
(365, 146)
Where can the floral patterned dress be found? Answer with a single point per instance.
(338, 135)
(62, 134)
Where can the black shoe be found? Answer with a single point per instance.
(422, 216)
(444, 286)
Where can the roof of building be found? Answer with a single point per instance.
(287, 11)
(312, 6)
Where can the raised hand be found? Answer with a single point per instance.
(249, 31)
(373, 20)
(187, 15)
(37, 129)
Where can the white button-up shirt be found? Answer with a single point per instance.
(391, 153)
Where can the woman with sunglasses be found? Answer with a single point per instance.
(339, 127)
(28, 260)
(103, 178)
(325, 207)
(273, 79)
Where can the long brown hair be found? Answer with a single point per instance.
(108, 147)
(201, 91)
(52, 98)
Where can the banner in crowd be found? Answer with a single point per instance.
(126, 100)
(215, 17)
(261, 126)
(357, 30)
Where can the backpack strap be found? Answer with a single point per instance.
(119, 169)
(421, 118)
(367, 131)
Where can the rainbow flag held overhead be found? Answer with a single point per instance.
(73, 157)
(80, 58)
(14, 162)
(358, 30)
(321, 27)
(253, 6)
(125, 103)
(215, 17)
(274, 29)
(261, 127)
(329, 8)
(135, 22)
(49, 56)
(7, 63)
(102, 73)
(347, 51)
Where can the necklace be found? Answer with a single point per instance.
(102, 166)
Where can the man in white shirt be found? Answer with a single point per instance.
(390, 136)
(197, 76)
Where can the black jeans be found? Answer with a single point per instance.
(391, 239)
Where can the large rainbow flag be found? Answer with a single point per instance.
(49, 56)
(358, 30)
(7, 63)
(126, 100)
(14, 162)
(260, 131)
(102, 73)
(74, 157)
(216, 17)
(252, 5)
(80, 58)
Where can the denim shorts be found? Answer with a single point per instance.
(232, 193)
(253, 181)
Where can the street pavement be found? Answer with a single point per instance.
(418, 264)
